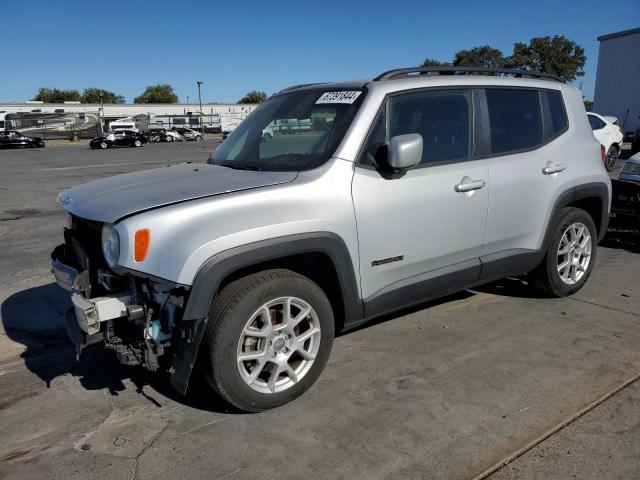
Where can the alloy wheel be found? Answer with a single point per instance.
(612, 158)
(278, 345)
(574, 253)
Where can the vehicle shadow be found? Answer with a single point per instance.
(629, 242)
(35, 318)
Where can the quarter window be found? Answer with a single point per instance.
(374, 153)
(515, 119)
(557, 112)
(442, 117)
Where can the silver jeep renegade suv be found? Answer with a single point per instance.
(365, 197)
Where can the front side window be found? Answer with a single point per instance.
(297, 130)
(442, 117)
(515, 119)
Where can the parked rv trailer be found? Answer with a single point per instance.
(138, 123)
(63, 125)
(191, 120)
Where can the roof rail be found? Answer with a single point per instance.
(293, 87)
(405, 72)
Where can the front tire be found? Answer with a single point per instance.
(104, 145)
(269, 338)
(137, 143)
(570, 256)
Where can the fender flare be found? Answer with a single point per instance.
(213, 271)
(600, 190)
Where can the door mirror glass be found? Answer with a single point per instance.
(405, 151)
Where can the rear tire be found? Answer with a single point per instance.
(137, 143)
(248, 317)
(611, 160)
(570, 256)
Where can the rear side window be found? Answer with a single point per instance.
(442, 117)
(558, 114)
(515, 119)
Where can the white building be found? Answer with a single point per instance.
(230, 114)
(617, 90)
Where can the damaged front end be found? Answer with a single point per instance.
(130, 313)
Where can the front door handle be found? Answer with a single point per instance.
(552, 168)
(467, 185)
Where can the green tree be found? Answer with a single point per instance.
(157, 94)
(56, 95)
(432, 62)
(484, 56)
(588, 104)
(92, 95)
(556, 55)
(254, 96)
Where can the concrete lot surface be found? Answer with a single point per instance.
(451, 389)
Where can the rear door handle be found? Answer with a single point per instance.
(552, 168)
(467, 185)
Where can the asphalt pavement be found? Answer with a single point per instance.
(455, 388)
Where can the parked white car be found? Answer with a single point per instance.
(609, 134)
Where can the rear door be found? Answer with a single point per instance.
(419, 234)
(523, 140)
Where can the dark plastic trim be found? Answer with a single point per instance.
(399, 72)
(423, 287)
(208, 279)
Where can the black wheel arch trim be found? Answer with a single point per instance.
(211, 274)
(593, 190)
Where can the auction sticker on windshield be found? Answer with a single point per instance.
(339, 97)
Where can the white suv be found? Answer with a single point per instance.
(395, 190)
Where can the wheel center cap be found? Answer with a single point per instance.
(278, 344)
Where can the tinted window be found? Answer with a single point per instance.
(596, 123)
(374, 150)
(557, 112)
(443, 118)
(515, 119)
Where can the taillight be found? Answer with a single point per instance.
(603, 153)
(141, 244)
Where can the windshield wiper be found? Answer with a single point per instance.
(237, 166)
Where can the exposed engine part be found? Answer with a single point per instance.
(91, 312)
(135, 312)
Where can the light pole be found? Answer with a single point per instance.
(101, 115)
(200, 101)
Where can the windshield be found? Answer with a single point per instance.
(298, 130)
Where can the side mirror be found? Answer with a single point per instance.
(405, 151)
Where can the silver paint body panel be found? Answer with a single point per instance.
(110, 199)
(418, 215)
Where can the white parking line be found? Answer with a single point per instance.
(78, 167)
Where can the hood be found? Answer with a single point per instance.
(110, 199)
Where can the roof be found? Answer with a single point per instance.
(624, 33)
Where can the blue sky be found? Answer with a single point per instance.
(238, 46)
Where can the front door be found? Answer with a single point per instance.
(420, 232)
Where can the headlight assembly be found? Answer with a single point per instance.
(110, 245)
